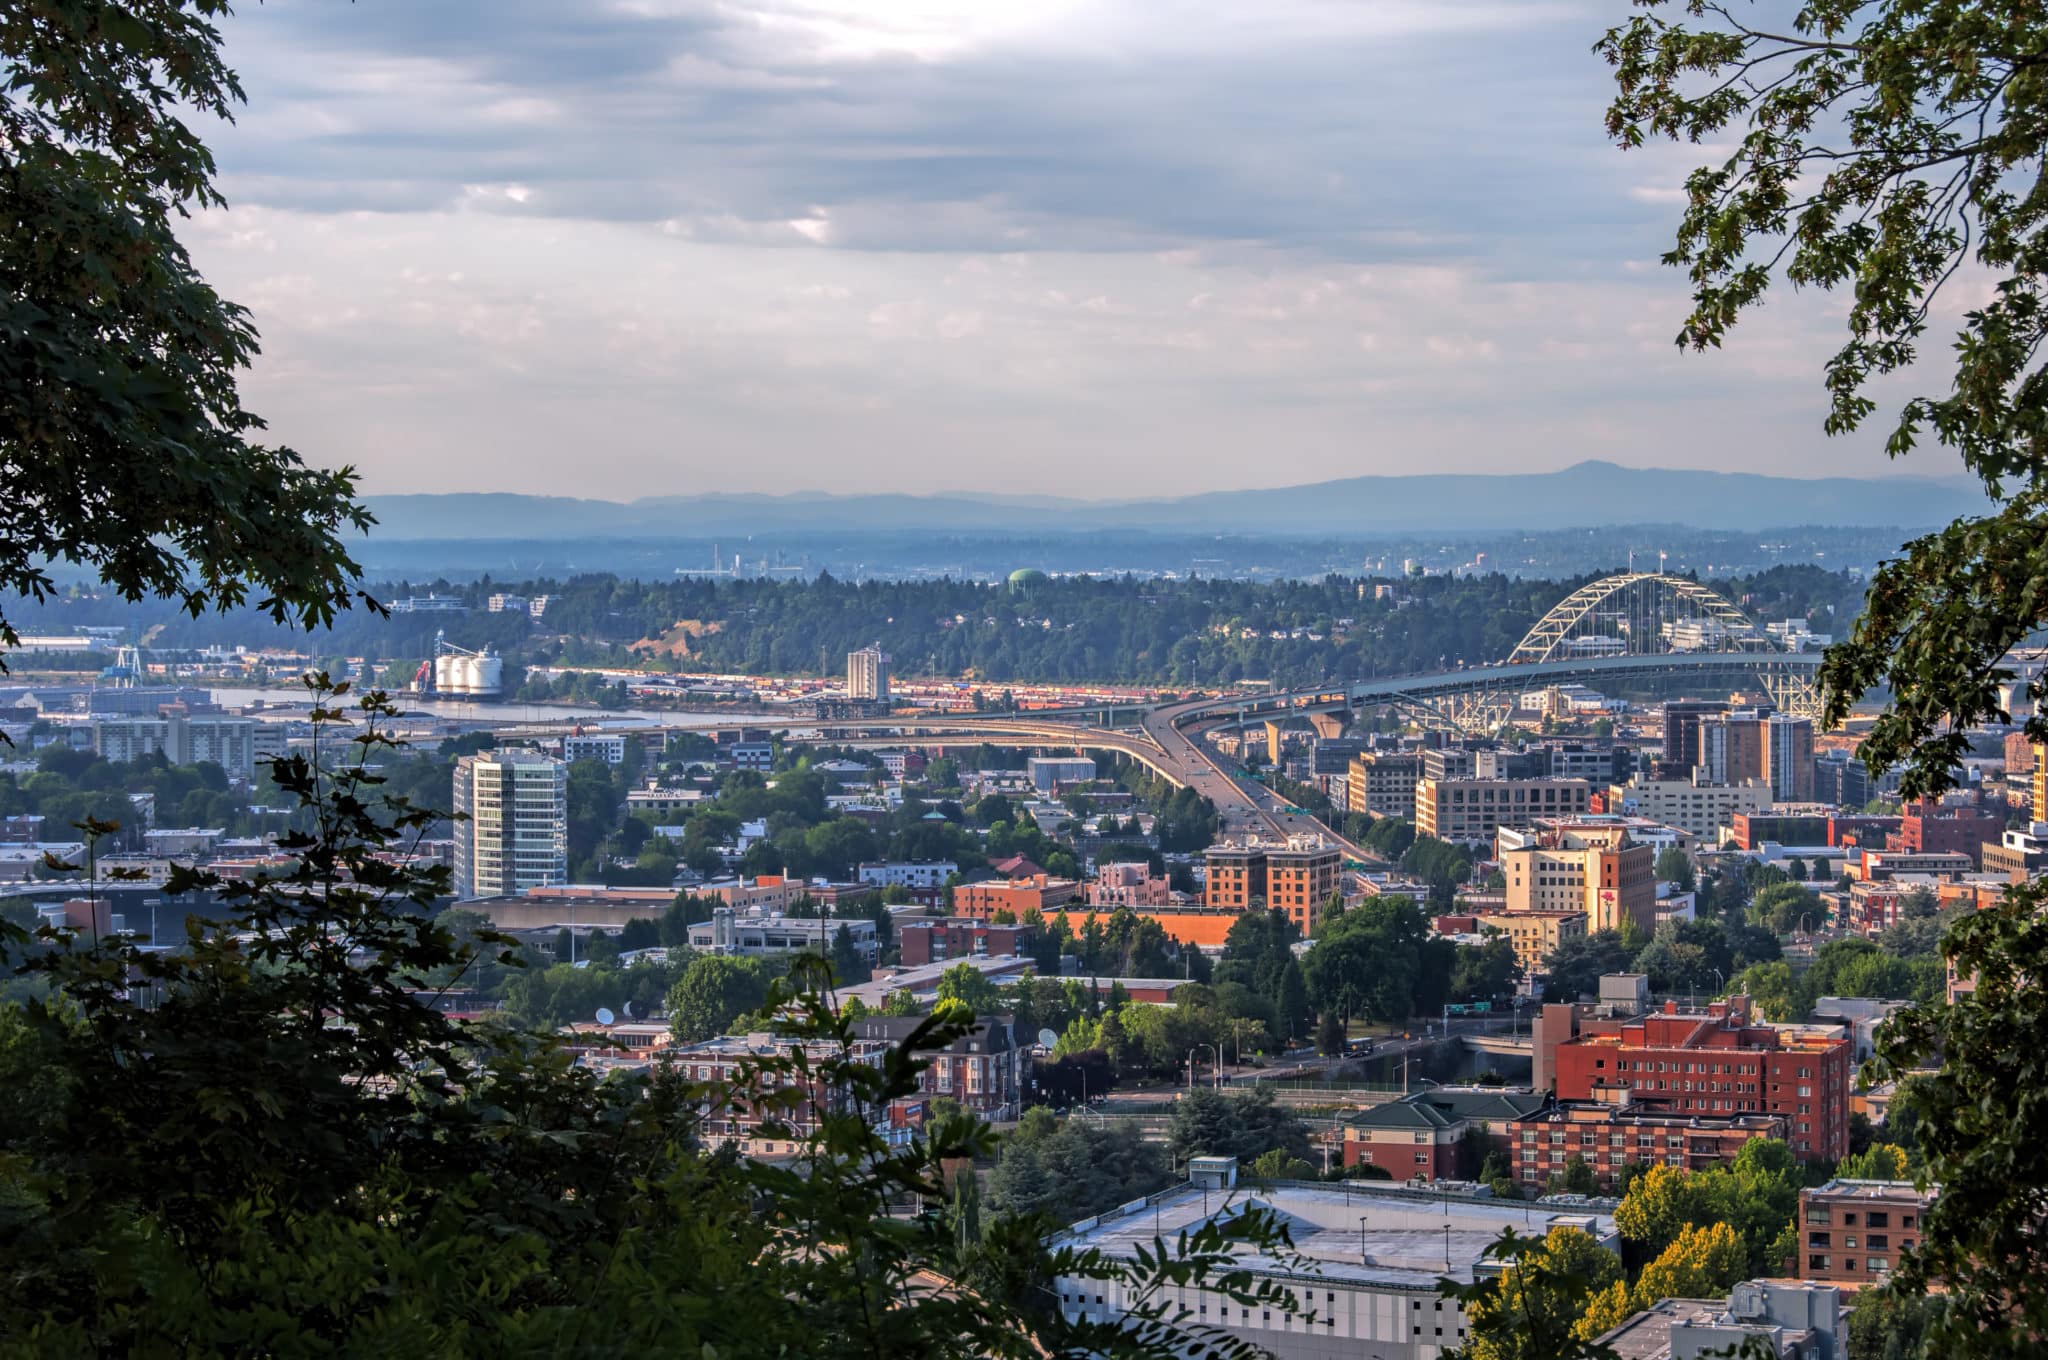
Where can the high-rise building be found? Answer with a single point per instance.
(181, 739)
(1840, 779)
(1788, 757)
(1732, 749)
(867, 674)
(516, 837)
(1682, 718)
(2040, 783)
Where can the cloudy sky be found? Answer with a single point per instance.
(1096, 247)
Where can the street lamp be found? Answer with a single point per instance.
(1191, 1061)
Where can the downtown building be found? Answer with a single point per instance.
(516, 837)
(1472, 811)
(1589, 866)
(1295, 877)
(1711, 1063)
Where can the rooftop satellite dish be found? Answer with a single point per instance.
(626, 1007)
(1047, 1038)
(605, 1016)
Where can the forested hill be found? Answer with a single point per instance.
(1204, 632)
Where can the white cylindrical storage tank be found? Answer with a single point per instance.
(444, 674)
(490, 677)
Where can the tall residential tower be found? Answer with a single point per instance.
(517, 835)
(867, 674)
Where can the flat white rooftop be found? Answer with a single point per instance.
(1366, 1233)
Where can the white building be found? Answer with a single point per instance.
(503, 603)
(230, 743)
(756, 932)
(517, 835)
(867, 674)
(1049, 772)
(1698, 808)
(1371, 1258)
(921, 873)
(594, 746)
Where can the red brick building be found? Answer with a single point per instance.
(1851, 1232)
(1421, 1137)
(925, 942)
(1613, 1130)
(1717, 1063)
(1931, 828)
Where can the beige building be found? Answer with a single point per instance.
(1698, 808)
(1536, 935)
(1594, 870)
(1472, 810)
(1382, 784)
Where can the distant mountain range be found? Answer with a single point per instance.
(1585, 495)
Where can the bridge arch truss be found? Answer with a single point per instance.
(1637, 607)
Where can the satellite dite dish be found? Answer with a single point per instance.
(1046, 1038)
(626, 1009)
(605, 1016)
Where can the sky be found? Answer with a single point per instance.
(1098, 248)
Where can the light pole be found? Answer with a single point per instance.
(1191, 1062)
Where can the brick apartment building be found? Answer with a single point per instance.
(735, 1122)
(1422, 1136)
(1300, 878)
(1234, 876)
(1128, 885)
(1931, 829)
(1612, 1130)
(1712, 1063)
(984, 1069)
(1851, 1232)
(925, 942)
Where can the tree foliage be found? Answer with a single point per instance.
(125, 444)
(1884, 148)
(267, 1142)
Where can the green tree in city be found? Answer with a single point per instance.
(1675, 866)
(1529, 1308)
(714, 991)
(1244, 1125)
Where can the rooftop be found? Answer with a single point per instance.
(1889, 1192)
(1360, 1233)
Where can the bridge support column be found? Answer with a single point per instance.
(1273, 742)
(1328, 726)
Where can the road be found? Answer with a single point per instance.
(1245, 806)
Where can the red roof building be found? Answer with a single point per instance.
(1719, 1062)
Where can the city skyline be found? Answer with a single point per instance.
(664, 248)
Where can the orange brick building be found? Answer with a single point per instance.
(1037, 893)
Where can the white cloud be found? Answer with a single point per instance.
(662, 244)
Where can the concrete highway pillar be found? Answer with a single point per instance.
(1273, 742)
